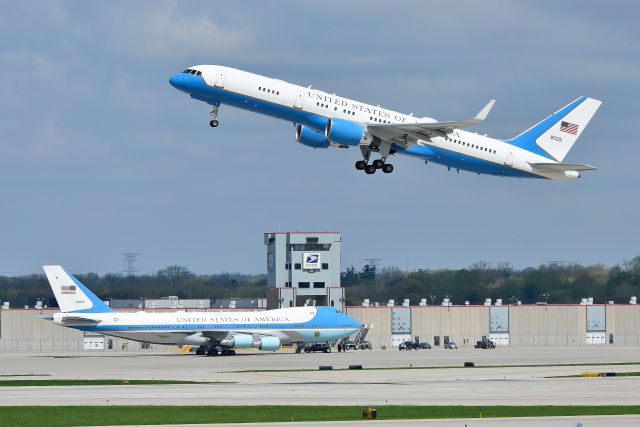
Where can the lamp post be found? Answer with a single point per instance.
(546, 299)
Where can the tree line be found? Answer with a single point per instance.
(555, 283)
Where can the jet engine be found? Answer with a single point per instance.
(267, 343)
(195, 339)
(310, 138)
(238, 341)
(343, 132)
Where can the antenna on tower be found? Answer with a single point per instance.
(129, 263)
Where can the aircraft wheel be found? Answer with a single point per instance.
(370, 170)
(361, 164)
(213, 123)
(200, 352)
(387, 168)
(232, 352)
(378, 163)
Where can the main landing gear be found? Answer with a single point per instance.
(214, 114)
(214, 351)
(384, 148)
(370, 169)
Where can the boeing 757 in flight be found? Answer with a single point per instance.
(325, 120)
(214, 332)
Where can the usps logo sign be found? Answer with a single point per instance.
(311, 261)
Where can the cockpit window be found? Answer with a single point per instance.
(192, 72)
(187, 71)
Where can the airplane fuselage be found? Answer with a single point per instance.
(312, 109)
(298, 324)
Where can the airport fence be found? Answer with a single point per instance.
(48, 345)
(40, 345)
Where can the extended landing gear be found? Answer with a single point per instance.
(371, 169)
(214, 115)
(381, 163)
(214, 351)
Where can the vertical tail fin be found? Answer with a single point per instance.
(72, 296)
(554, 136)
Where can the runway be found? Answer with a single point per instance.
(399, 384)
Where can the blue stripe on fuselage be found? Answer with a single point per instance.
(325, 318)
(461, 161)
(199, 89)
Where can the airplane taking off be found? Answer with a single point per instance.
(325, 120)
(214, 332)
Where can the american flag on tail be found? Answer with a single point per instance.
(569, 128)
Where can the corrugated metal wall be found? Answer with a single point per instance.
(527, 325)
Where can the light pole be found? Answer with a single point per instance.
(546, 299)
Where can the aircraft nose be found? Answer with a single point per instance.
(178, 81)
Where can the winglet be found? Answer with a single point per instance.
(485, 111)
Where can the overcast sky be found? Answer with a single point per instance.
(99, 155)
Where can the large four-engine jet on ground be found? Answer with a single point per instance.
(325, 120)
(213, 332)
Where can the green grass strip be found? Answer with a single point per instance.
(40, 383)
(62, 416)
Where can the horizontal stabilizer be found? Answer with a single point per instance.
(78, 319)
(561, 167)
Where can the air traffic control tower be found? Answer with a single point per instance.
(303, 268)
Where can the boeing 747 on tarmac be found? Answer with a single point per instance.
(213, 332)
(325, 120)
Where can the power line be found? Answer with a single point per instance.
(129, 263)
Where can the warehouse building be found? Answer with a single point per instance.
(513, 325)
(539, 325)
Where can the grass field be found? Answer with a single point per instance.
(41, 383)
(61, 416)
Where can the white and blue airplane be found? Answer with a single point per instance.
(325, 120)
(213, 332)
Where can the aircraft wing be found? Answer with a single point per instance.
(561, 167)
(406, 133)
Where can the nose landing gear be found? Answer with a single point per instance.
(214, 115)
